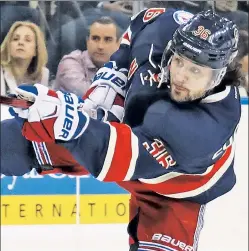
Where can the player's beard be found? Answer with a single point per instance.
(186, 96)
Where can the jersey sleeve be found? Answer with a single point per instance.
(17, 157)
(122, 56)
(178, 155)
(114, 152)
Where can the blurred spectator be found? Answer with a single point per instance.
(11, 12)
(19, 3)
(23, 57)
(191, 6)
(69, 37)
(229, 9)
(226, 8)
(226, 5)
(242, 57)
(120, 18)
(243, 5)
(120, 6)
(76, 70)
(67, 11)
(72, 35)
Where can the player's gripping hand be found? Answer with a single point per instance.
(53, 116)
(110, 76)
(107, 93)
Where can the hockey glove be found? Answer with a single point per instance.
(53, 116)
(110, 76)
(107, 92)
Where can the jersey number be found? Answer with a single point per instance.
(159, 152)
(202, 32)
(152, 13)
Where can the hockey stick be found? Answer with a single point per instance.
(15, 102)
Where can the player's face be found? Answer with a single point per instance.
(188, 80)
(102, 43)
(23, 43)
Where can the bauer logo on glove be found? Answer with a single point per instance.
(70, 118)
(53, 116)
(115, 78)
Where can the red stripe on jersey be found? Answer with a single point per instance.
(75, 171)
(122, 155)
(185, 183)
(42, 154)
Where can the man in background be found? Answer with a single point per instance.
(76, 70)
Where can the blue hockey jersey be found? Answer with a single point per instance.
(140, 53)
(146, 38)
(178, 151)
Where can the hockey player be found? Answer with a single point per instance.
(184, 93)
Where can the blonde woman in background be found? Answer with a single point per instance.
(23, 57)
